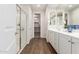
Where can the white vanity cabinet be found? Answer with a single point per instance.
(52, 39)
(64, 44)
(56, 42)
(68, 44)
(50, 36)
(75, 45)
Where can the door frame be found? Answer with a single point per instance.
(19, 25)
(20, 42)
(22, 11)
(33, 23)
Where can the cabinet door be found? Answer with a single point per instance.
(56, 38)
(52, 39)
(75, 46)
(64, 44)
(49, 36)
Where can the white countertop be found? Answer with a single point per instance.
(63, 31)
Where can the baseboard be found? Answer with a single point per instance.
(27, 42)
(52, 48)
(22, 48)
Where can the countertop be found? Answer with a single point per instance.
(74, 33)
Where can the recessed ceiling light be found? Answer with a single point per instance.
(70, 6)
(38, 5)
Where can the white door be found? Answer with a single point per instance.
(56, 39)
(18, 32)
(75, 46)
(64, 44)
(23, 28)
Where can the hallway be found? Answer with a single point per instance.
(56, 26)
(38, 46)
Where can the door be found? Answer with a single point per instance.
(75, 46)
(64, 44)
(52, 38)
(23, 28)
(18, 32)
(48, 36)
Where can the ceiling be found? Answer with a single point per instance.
(63, 6)
(42, 7)
(38, 7)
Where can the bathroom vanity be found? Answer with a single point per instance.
(64, 42)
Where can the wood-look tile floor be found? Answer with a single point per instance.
(38, 46)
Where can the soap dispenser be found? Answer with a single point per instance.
(69, 28)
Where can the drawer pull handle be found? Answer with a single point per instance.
(69, 41)
(72, 42)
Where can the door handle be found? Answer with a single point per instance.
(17, 29)
(72, 42)
(18, 24)
(16, 33)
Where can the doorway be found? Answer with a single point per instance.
(37, 25)
(21, 28)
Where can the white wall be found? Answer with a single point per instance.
(43, 25)
(30, 29)
(7, 28)
(75, 16)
